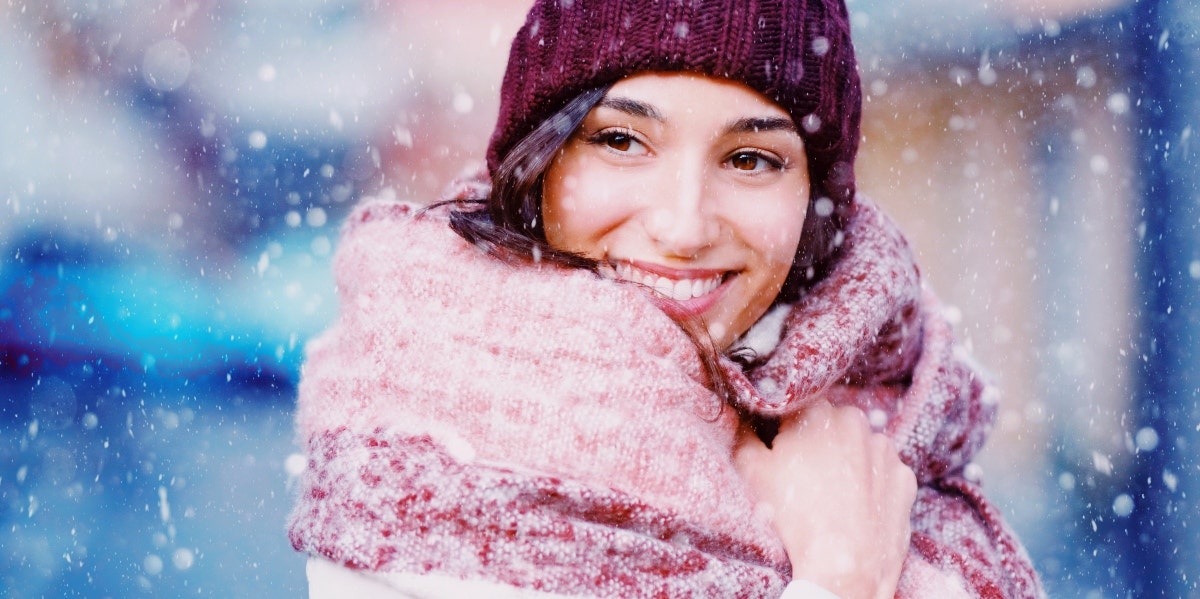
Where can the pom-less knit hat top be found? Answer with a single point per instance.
(795, 52)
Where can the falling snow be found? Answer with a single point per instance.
(176, 176)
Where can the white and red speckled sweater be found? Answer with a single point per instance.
(545, 429)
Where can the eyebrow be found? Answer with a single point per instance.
(641, 109)
(632, 107)
(757, 124)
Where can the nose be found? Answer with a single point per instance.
(681, 218)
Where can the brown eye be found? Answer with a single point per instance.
(745, 161)
(619, 142)
(754, 162)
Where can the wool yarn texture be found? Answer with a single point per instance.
(797, 53)
(547, 429)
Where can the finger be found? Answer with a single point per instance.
(910, 486)
(749, 446)
(818, 413)
(750, 455)
(745, 431)
(818, 410)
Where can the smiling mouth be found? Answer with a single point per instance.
(678, 289)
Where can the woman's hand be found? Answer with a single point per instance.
(839, 497)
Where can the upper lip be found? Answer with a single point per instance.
(673, 273)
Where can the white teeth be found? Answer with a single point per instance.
(682, 290)
(676, 289)
(664, 287)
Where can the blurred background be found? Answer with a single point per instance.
(173, 174)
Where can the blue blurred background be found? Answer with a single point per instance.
(173, 174)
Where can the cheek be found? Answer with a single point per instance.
(560, 202)
(775, 233)
(577, 210)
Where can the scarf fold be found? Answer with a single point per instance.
(543, 428)
(860, 325)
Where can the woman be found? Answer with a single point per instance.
(489, 416)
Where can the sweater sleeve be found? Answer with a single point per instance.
(803, 589)
(327, 580)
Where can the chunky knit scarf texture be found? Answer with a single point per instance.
(543, 428)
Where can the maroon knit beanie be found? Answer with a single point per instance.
(795, 52)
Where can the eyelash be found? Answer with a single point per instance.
(605, 137)
(772, 162)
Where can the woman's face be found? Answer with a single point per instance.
(695, 187)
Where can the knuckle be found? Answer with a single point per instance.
(910, 484)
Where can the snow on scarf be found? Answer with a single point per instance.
(543, 428)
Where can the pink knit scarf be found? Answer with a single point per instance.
(544, 428)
